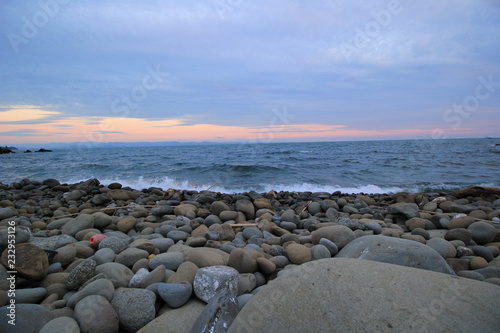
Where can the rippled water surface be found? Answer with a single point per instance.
(363, 166)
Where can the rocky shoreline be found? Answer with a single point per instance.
(171, 259)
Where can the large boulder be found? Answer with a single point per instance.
(346, 295)
(396, 251)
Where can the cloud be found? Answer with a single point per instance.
(25, 115)
(21, 133)
(231, 66)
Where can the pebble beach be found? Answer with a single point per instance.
(92, 257)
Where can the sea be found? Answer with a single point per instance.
(350, 167)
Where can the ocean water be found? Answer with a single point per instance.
(351, 167)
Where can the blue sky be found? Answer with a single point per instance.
(229, 70)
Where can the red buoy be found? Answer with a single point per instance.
(96, 239)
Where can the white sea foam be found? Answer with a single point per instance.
(167, 183)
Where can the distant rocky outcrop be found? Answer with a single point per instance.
(42, 150)
(7, 150)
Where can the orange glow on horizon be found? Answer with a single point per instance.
(121, 129)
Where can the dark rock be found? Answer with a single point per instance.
(31, 261)
(461, 234)
(484, 252)
(81, 273)
(482, 232)
(218, 315)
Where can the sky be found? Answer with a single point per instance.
(253, 71)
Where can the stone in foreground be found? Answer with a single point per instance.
(396, 251)
(218, 315)
(135, 307)
(176, 320)
(210, 281)
(347, 295)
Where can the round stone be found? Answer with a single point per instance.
(290, 226)
(443, 247)
(266, 266)
(130, 256)
(171, 260)
(246, 207)
(460, 222)
(65, 255)
(376, 227)
(209, 281)
(298, 253)
(95, 314)
(177, 235)
(415, 222)
(117, 273)
(331, 246)
(156, 275)
(204, 257)
(186, 272)
(218, 206)
(135, 281)
(483, 251)
(175, 294)
(482, 232)
(396, 251)
(228, 215)
(320, 251)
(127, 223)
(103, 287)
(162, 244)
(338, 234)
(114, 243)
(247, 283)
(250, 232)
(421, 232)
(81, 273)
(478, 262)
(460, 233)
(135, 308)
(81, 222)
(104, 255)
(242, 261)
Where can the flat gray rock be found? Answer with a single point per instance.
(395, 251)
(29, 318)
(30, 295)
(346, 295)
